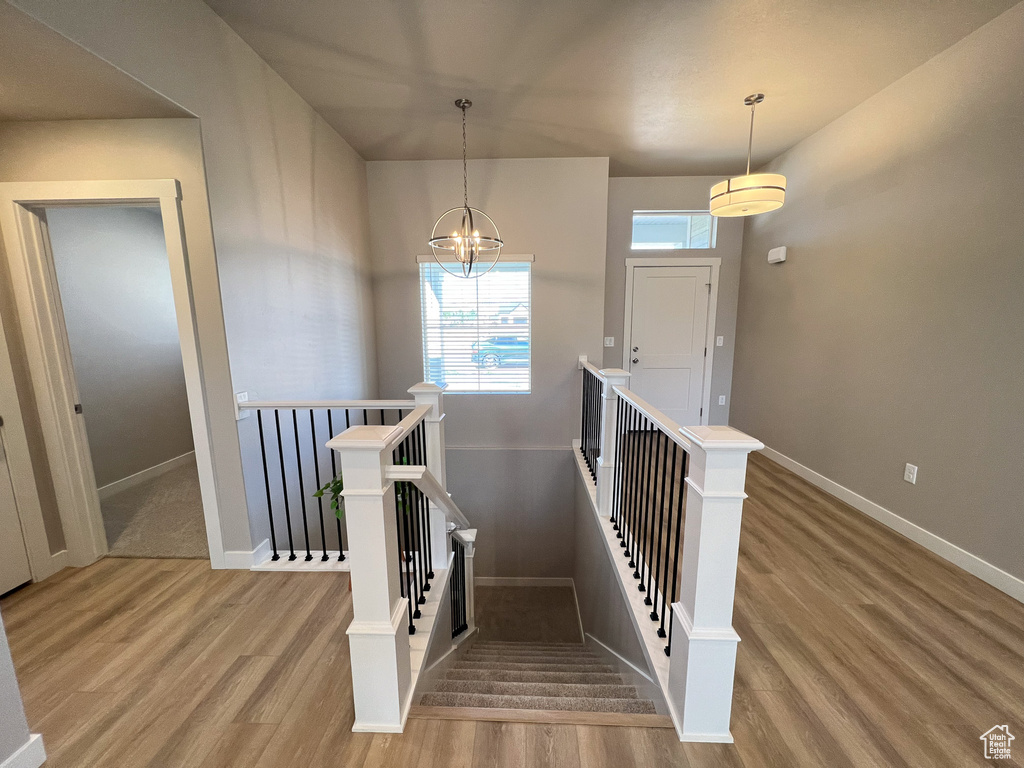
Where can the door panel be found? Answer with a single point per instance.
(667, 338)
(14, 568)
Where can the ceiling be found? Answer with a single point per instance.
(45, 76)
(657, 86)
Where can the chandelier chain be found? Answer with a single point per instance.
(465, 174)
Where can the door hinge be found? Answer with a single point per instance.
(709, 287)
(702, 412)
(705, 351)
(78, 407)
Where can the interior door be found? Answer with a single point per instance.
(668, 333)
(14, 568)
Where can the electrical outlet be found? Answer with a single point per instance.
(241, 413)
(609, 341)
(720, 341)
(721, 399)
(910, 474)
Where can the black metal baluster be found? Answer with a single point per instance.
(403, 549)
(658, 520)
(583, 415)
(618, 465)
(415, 592)
(284, 486)
(634, 471)
(658, 456)
(302, 490)
(364, 417)
(334, 473)
(320, 499)
(663, 582)
(680, 517)
(426, 503)
(641, 498)
(266, 482)
(646, 491)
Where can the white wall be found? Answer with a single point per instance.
(894, 332)
(14, 731)
(115, 285)
(288, 201)
(555, 209)
(673, 193)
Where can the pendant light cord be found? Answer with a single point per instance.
(750, 141)
(465, 174)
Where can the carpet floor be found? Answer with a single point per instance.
(162, 517)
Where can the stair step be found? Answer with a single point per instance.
(531, 652)
(532, 666)
(576, 690)
(542, 716)
(526, 658)
(489, 701)
(538, 646)
(515, 676)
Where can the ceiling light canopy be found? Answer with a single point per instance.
(751, 193)
(467, 234)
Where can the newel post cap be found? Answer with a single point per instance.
(721, 438)
(364, 438)
(616, 377)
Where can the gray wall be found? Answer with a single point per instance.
(895, 331)
(672, 193)
(555, 209)
(115, 284)
(13, 726)
(603, 611)
(288, 201)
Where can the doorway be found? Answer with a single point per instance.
(669, 334)
(58, 349)
(114, 287)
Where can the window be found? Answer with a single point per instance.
(476, 332)
(673, 230)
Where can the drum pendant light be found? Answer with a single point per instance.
(466, 233)
(751, 193)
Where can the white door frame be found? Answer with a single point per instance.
(46, 346)
(709, 342)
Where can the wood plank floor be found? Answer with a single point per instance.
(859, 649)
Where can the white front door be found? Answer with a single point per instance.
(666, 339)
(14, 569)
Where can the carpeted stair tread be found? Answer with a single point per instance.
(532, 652)
(519, 676)
(575, 690)
(625, 706)
(535, 666)
(509, 658)
(535, 646)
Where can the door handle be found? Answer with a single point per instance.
(636, 359)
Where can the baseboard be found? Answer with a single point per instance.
(984, 570)
(31, 754)
(138, 478)
(523, 581)
(245, 559)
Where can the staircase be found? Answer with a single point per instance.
(548, 682)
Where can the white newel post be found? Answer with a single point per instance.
(612, 377)
(468, 539)
(426, 393)
(379, 632)
(703, 662)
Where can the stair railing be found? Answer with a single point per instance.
(398, 514)
(669, 501)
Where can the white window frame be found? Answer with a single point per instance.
(713, 240)
(517, 258)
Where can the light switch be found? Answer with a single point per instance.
(910, 474)
(721, 399)
(609, 341)
(241, 413)
(720, 341)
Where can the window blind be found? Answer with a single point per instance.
(476, 332)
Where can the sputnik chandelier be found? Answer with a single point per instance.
(465, 241)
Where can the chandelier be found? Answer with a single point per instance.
(751, 193)
(465, 241)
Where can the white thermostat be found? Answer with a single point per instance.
(776, 255)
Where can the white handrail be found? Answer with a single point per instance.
(663, 422)
(593, 369)
(315, 404)
(408, 424)
(420, 476)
